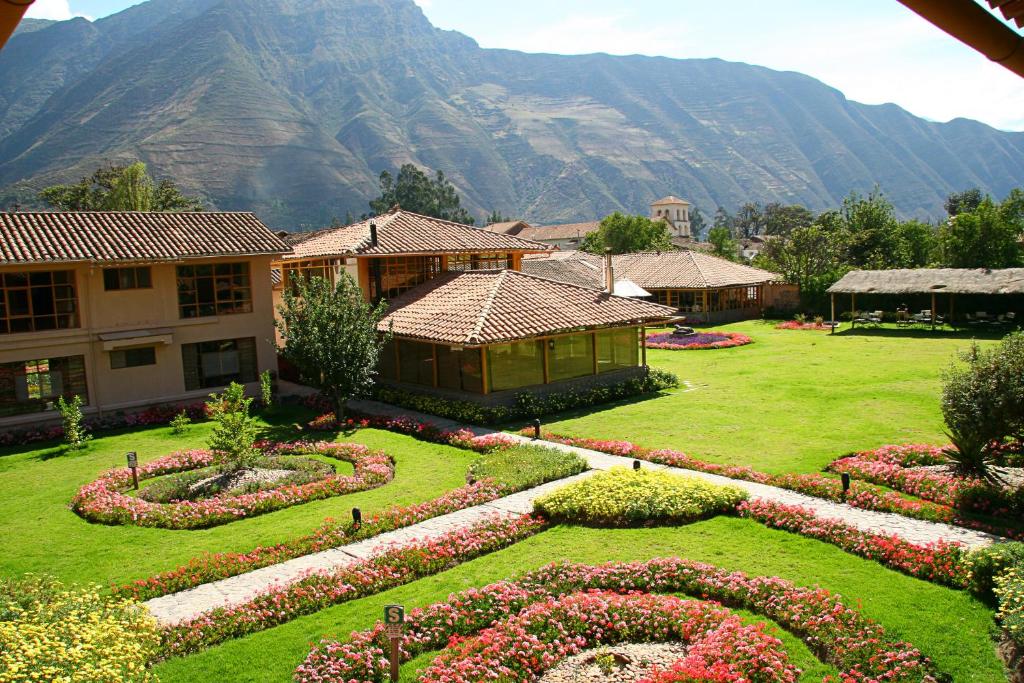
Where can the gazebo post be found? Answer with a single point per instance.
(933, 310)
(643, 346)
(833, 318)
(853, 310)
(952, 297)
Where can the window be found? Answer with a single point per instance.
(133, 358)
(520, 364)
(391, 276)
(34, 385)
(294, 270)
(483, 261)
(617, 349)
(218, 363)
(459, 369)
(38, 300)
(215, 289)
(416, 362)
(127, 278)
(571, 356)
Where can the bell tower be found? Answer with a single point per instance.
(675, 212)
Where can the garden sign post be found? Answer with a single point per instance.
(133, 463)
(394, 620)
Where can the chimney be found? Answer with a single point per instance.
(373, 234)
(609, 273)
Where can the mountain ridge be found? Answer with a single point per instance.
(292, 109)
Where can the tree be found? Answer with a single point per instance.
(723, 219)
(497, 217)
(814, 257)
(233, 438)
(781, 219)
(119, 188)
(624, 234)
(749, 220)
(414, 191)
(916, 244)
(871, 222)
(330, 335)
(725, 246)
(698, 224)
(960, 202)
(982, 238)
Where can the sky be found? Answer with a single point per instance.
(874, 51)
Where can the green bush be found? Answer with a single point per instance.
(984, 397)
(180, 423)
(234, 435)
(626, 497)
(76, 434)
(1009, 590)
(51, 633)
(985, 564)
(523, 467)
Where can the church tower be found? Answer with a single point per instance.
(674, 211)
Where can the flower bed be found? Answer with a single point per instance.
(797, 325)
(941, 562)
(862, 494)
(105, 501)
(898, 468)
(701, 340)
(539, 637)
(399, 566)
(1009, 591)
(837, 634)
(626, 497)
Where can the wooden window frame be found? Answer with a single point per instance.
(117, 274)
(62, 294)
(224, 301)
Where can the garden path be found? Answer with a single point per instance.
(188, 604)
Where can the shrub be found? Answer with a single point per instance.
(50, 633)
(985, 564)
(1009, 590)
(180, 423)
(526, 466)
(235, 433)
(76, 434)
(624, 497)
(266, 390)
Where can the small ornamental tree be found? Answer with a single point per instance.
(330, 335)
(235, 430)
(76, 434)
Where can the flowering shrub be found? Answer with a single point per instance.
(898, 468)
(862, 495)
(533, 641)
(50, 633)
(702, 340)
(1009, 590)
(155, 415)
(941, 562)
(837, 634)
(798, 325)
(399, 566)
(625, 497)
(105, 501)
(985, 564)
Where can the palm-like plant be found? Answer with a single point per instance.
(970, 456)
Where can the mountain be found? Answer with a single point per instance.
(291, 108)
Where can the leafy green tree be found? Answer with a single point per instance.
(497, 217)
(871, 222)
(780, 219)
(814, 257)
(916, 243)
(982, 238)
(414, 191)
(724, 245)
(330, 335)
(960, 202)
(625, 234)
(723, 219)
(233, 438)
(749, 220)
(698, 224)
(119, 188)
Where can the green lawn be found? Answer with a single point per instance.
(947, 625)
(41, 534)
(790, 402)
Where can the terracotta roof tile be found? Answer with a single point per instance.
(584, 272)
(671, 199)
(489, 307)
(111, 236)
(404, 232)
(563, 231)
(507, 227)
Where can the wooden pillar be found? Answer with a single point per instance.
(833, 319)
(933, 310)
(433, 351)
(643, 347)
(853, 309)
(483, 369)
(706, 318)
(545, 344)
(951, 298)
(593, 348)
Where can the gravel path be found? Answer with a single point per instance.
(235, 590)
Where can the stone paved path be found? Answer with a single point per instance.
(235, 590)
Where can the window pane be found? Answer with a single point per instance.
(459, 369)
(110, 279)
(416, 360)
(571, 356)
(34, 385)
(144, 277)
(218, 363)
(520, 364)
(617, 349)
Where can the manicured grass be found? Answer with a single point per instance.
(527, 466)
(949, 626)
(790, 402)
(41, 534)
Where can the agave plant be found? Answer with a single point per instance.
(970, 456)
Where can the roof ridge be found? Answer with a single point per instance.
(474, 335)
(700, 270)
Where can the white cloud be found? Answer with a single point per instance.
(58, 10)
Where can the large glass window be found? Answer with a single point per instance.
(34, 385)
(38, 300)
(520, 364)
(393, 275)
(115, 279)
(387, 365)
(570, 356)
(214, 289)
(617, 349)
(459, 369)
(296, 270)
(218, 363)
(416, 362)
(481, 261)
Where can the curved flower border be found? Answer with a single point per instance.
(104, 500)
(794, 325)
(836, 633)
(733, 339)
(539, 637)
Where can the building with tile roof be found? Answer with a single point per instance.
(563, 235)
(508, 227)
(675, 212)
(493, 333)
(129, 309)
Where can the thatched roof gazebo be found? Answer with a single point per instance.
(929, 281)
